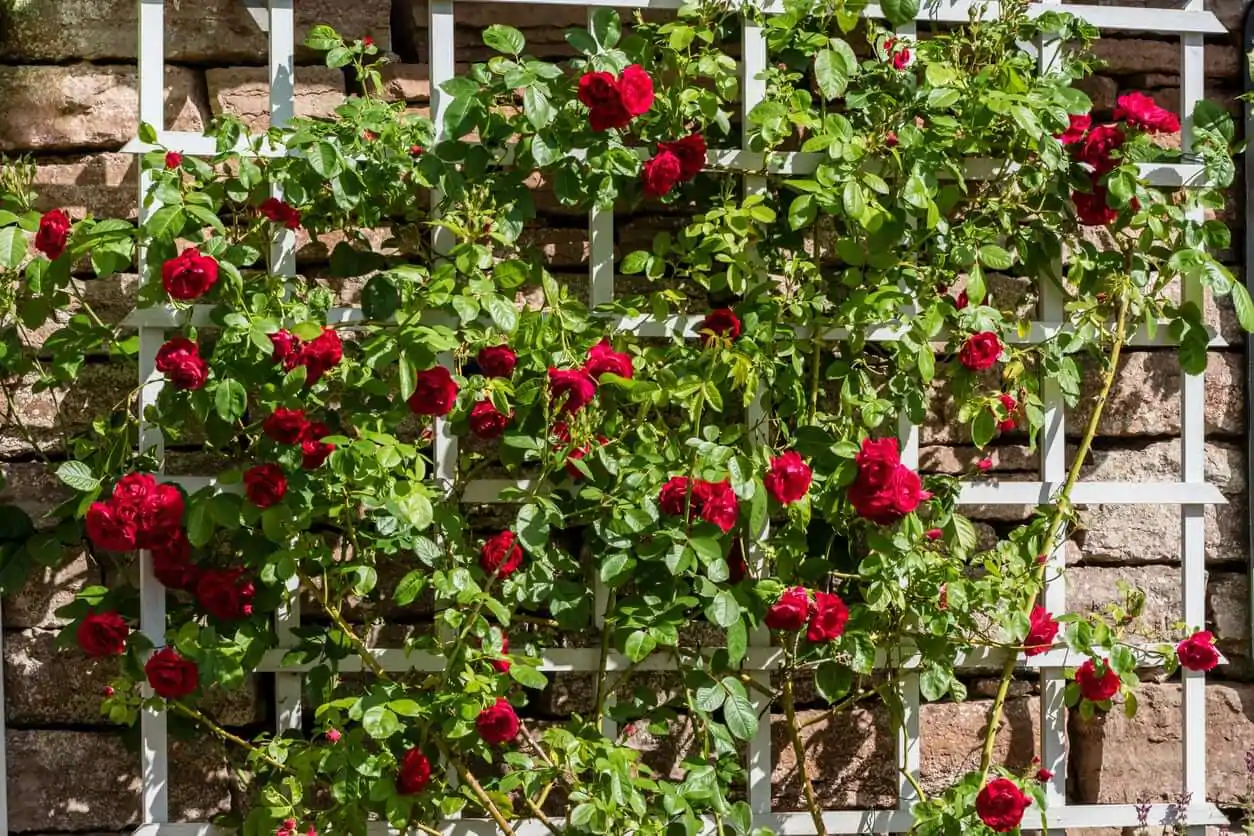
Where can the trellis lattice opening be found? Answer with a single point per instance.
(1191, 492)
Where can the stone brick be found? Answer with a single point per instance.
(1093, 588)
(49, 415)
(102, 185)
(245, 92)
(205, 31)
(84, 106)
(1117, 760)
(952, 735)
(1159, 461)
(73, 780)
(111, 299)
(1103, 90)
(1228, 616)
(1134, 534)
(46, 591)
(1125, 56)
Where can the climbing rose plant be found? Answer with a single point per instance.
(948, 180)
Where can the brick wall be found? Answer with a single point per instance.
(68, 85)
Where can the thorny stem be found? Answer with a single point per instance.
(602, 668)
(798, 747)
(1062, 507)
(479, 793)
(202, 719)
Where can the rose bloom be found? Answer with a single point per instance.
(789, 478)
(435, 392)
(180, 361)
(286, 426)
(1080, 124)
(486, 421)
(572, 388)
(603, 359)
(635, 90)
(111, 528)
(265, 485)
(886, 504)
(286, 348)
(901, 59)
(737, 567)
(1140, 111)
(717, 503)
(828, 619)
(226, 594)
(189, 275)
(313, 450)
(53, 233)
(280, 212)
(1098, 146)
(171, 675)
(497, 361)
(413, 773)
(981, 351)
(673, 498)
(1042, 628)
(498, 723)
(660, 174)
(1096, 688)
(1011, 406)
(791, 611)
(1197, 652)
(173, 159)
(690, 151)
(721, 322)
(102, 634)
(172, 566)
(320, 355)
(1092, 209)
(934, 534)
(600, 93)
(501, 555)
(1001, 804)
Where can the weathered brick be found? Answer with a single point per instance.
(50, 414)
(86, 106)
(103, 185)
(47, 590)
(1133, 534)
(1124, 56)
(952, 735)
(245, 92)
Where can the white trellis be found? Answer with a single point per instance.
(1191, 493)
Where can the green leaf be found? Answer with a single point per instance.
(380, 298)
(511, 274)
(639, 645)
(503, 312)
(12, 247)
(709, 697)
(636, 262)
(851, 197)
(410, 587)
(802, 212)
(537, 107)
(741, 719)
(147, 133)
(78, 476)
(324, 159)
(339, 56)
(831, 73)
(528, 677)
(723, 610)
(606, 27)
(832, 680)
(199, 524)
(505, 39)
(933, 682)
(380, 722)
(900, 12)
(995, 258)
(1243, 306)
(406, 707)
(737, 642)
(983, 428)
(166, 223)
(230, 400)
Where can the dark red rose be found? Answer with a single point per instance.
(1011, 406)
(1042, 628)
(901, 59)
(172, 566)
(1096, 688)
(111, 528)
(791, 611)
(1091, 209)
(981, 351)
(265, 485)
(828, 619)
(171, 675)
(367, 41)
(313, 450)
(1000, 805)
(635, 90)
(573, 389)
(597, 89)
(934, 534)
(225, 593)
(158, 514)
(1197, 652)
(53, 233)
(415, 150)
(660, 174)
(789, 478)
(102, 634)
(962, 301)
(320, 355)
(885, 490)
(486, 421)
(673, 498)
(1140, 111)
(280, 212)
(1044, 776)
(717, 503)
(720, 322)
(180, 361)
(498, 723)
(608, 116)
(286, 426)
(501, 555)
(1098, 146)
(737, 567)
(560, 432)
(189, 275)
(690, 151)
(890, 139)
(876, 460)
(173, 159)
(603, 359)
(497, 361)
(413, 773)
(1076, 130)
(435, 392)
(286, 348)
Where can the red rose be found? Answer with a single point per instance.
(111, 528)
(737, 568)
(572, 388)
(890, 139)
(885, 504)
(486, 421)
(717, 503)
(172, 566)
(1000, 805)
(790, 611)
(286, 348)
(901, 59)
(635, 90)
(877, 460)
(497, 361)
(934, 534)
(603, 359)
(1011, 406)
(502, 665)
(1076, 130)
(1044, 775)
(1098, 146)
(286, 426)
(280, 212)
(53, 233)
(180, 361)
(1140, 111)
(156, 509)
(721, 322)
(597, 89)
(1091, 209)
(1042, 628)
(981, 351)
(498, 723)
(962, 301)
(313, 450)
(1096, 688)
(501, 555)
(827, 621)
(320, 355)
(673, 498)
(413, 773)
(265, 485)
(435, 392)
(661, 173)
(789, 478)
(1197, 652)
(609, 116)
(225, 593)
(173, 159)
(170, 675)
(690, 151)
(102, 634)
(189, 275)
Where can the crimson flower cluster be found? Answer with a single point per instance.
(675, 162)
(501, 556)
(180, 361)
(824, 615)
(318, 356)
(897, 53)
(291, 427)
(714, 502)
(189, 275)
(613, 102)
(885, 490)
(102, 634)
(141, 513)
(280, 212)
(1001, 804)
